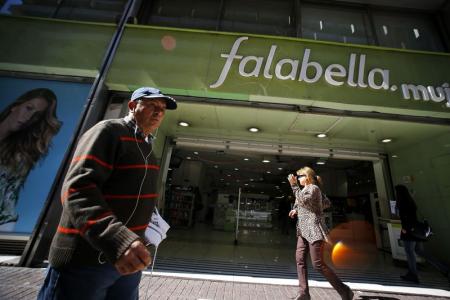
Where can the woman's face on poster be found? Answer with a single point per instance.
(24, 114)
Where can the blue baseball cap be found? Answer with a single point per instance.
(152, 93)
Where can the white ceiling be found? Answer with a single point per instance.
(224, 122)
(219, 133)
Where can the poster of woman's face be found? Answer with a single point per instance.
(37, 123)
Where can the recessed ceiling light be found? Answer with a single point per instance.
(386, 140)
(229, 175)
(320, 162)
(195, 152)
(268, 172)
(280, 169)
(216, 166)
(266, 161)
(245, 184)
(188, 157)
(236, 169)
(321, 135)
(394, 156)
(183, 124)
(253, 129)
(251, 179)
(246, 159)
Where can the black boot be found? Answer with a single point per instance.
(410, 277)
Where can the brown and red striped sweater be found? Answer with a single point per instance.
(99, 195)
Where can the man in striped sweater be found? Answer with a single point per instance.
(108, 197)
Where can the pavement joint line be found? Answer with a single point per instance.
(367, 287)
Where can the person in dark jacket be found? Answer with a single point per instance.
(108, 196)
(407, 209)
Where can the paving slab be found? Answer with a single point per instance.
(24, 283)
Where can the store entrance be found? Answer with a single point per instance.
(229, 211)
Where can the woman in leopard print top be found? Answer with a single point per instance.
(311, 232)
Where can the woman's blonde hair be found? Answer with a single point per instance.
(311, 177)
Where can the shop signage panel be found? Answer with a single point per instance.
(282, 70)
(52, 46)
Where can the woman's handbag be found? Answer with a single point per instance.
(421, 230)
(326, 202)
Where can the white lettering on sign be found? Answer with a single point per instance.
(310, 71)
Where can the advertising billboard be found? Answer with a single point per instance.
(38, 119)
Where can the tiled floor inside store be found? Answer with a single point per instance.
(270, 254)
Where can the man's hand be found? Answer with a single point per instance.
(292, 213)
(135, 258)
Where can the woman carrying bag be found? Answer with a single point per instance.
(311, 232)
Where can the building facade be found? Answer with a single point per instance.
(359, 90)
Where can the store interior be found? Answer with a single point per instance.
(207, 183)
(204, 187)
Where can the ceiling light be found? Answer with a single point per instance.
(246, 159)
(253, 129)
(188, 157)
(268, 172)
(394, 156)
(236, 169)
(216, 166)
(280, 169)
(266, 161)
(321, 135)
(195, 152)
(386, 140)
(183, 124)
(320, 163)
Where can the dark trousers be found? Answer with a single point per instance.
(417, 247)
(89, 283)
(316, 251)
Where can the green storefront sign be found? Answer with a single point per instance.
(283, 70)
(52, 46)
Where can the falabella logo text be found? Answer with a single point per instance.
(334, 74)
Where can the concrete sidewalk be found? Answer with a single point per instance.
(24, 283)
